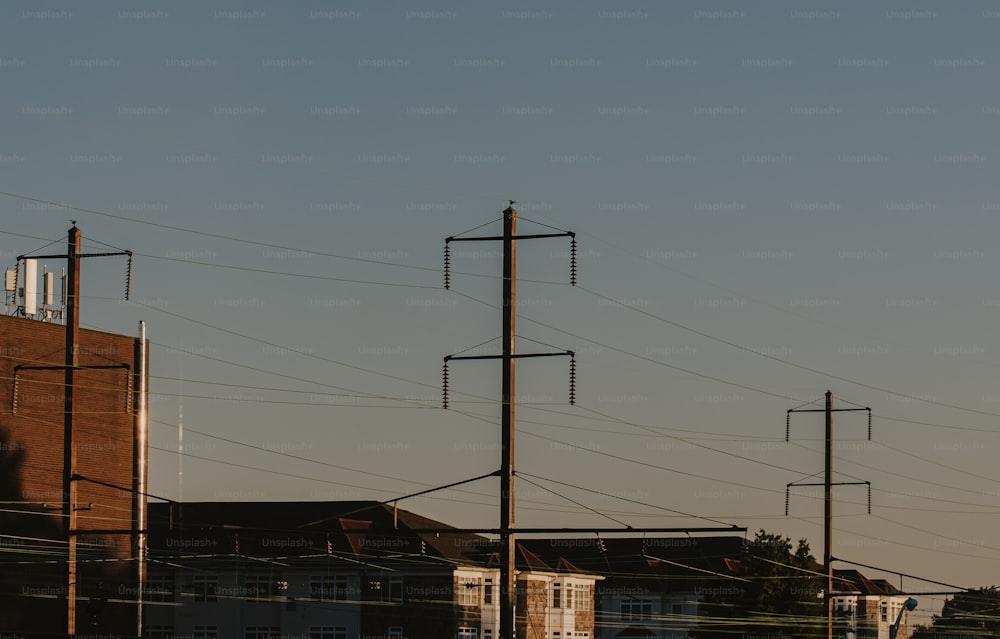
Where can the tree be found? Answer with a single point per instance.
(971, 614)
(773, 592)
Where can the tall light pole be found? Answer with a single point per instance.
(909, 604)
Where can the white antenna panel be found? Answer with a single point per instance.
(48, 288)
(10, 281)
(30, 287)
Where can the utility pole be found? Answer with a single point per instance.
(69, 424)
(72, 363)
(828, 485)
(508, 574)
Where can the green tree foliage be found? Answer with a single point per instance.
(967, 615)
(774, 593)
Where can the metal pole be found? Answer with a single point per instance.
(69, 425)
(507, 569)
(828, 515)
(141, 452)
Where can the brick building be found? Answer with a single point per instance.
(33, 535)
(343, 570)
(651, 586)
(868, 606)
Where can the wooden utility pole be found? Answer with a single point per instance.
(508, 545)
(828, 514)
(828, 485)
(71, 366)
(507, 542)
(69, 424)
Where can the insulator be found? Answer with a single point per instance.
(128, 280)
(572, 262)
(786, 501)
(447, 266)
(788, 424)
(444, 386)
(869, 426)
(869, 499)
(572, 381)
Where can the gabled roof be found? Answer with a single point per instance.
(684, 562)
(534, 561)
(348, 528)
(853, 582)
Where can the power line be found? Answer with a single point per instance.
(783, 361)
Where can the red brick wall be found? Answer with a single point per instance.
(31, 453)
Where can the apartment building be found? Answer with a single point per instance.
(343, 570)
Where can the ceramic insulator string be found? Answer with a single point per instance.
(786, 501)
(444, 386)
(128, 279)
(869, 435)
(572, 381)
(788, 424)
(572, 261)
(447, 266)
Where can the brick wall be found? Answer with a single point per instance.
(31, 460)
(584, 619)
(532, 602)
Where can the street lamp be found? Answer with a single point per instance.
(909, 604)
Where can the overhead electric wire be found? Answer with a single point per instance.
(774, 358)
(573, 501)
(628, 499)
(595, 293)
(882, 469)
(767, 304)
(631, 354)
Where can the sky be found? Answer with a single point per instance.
(771, 200)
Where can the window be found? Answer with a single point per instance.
(327, 632)
(468, 591)
(396, 589)
(159, 588)
(677, 609)
(395, 632)
(582, 597)
(464, 632)
(257, 589)
(261, 632)
(885, 612)
(488, 592)
(328, 588)
(159, 632)
(206, 588)
(205, 632)
(568, 596)
(557, 595)
(635, 609)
